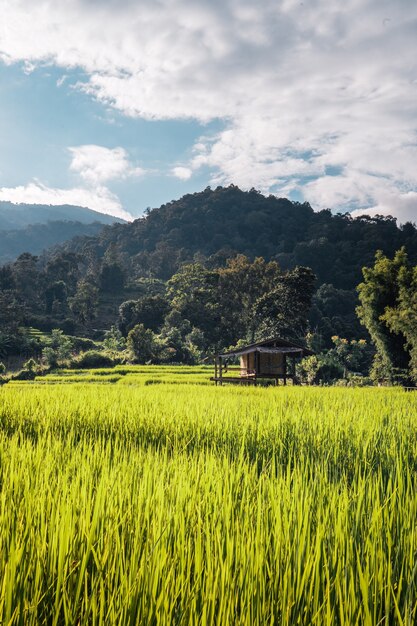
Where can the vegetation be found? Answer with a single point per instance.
(203, 505)
(129, 274)
(388, 297)
(213, 269)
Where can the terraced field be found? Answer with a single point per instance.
(124, 501)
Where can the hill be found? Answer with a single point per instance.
(80, 285)
(16, 216)
(36, 237)
(34, 227)
(218, 224)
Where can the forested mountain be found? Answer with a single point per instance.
(16, 216)
(34, 227)
(188, 271)
(214, 225)
(36, 237)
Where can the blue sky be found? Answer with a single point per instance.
(129, 104)
(41, 118)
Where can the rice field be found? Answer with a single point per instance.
(135, 503)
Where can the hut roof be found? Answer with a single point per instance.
(273, 345)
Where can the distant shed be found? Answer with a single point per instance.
(273, 358)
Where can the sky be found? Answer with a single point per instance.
(121, 105)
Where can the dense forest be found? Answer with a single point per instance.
(202, 273)
(215, 225)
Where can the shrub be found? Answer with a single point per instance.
(24, 375)
(30, 365)
(94, 358)
(83, 344)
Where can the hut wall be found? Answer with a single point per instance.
(247, 364)
(273, 364)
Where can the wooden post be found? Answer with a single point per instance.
(215, 369)
(285, 369)
(220, 372)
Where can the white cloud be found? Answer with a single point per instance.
(183, 173)
(402, 206)
(304, 88)
(99, 199)
(97, 164)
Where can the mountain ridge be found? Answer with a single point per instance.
(218, 224)
(16, 216)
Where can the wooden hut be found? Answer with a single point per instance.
(272, 359)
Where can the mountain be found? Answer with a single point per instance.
(217, 224)
(36, 237)
(16, 216)
(34, 227)
(89, 277)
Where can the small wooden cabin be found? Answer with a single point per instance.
(272, 359)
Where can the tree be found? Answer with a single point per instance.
(241, 284)
(402, 318)
(285, 309)
(114, 340)
(379, 294)
(149, 311)
(85, 301)
(144, 344)
(112, 277)
(58, 348)
(193, 294)
(12, 312)
(55, 292)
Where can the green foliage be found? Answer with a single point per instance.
(385, 297)
(144, 345)
(112, 277)
(94, 358)
(319, 368)
(333, 312)
(230, 260)
(30, 365)
(82, 344)
(58, 349)
(244, 299)
(402, 318)
(114, 340)
(2, 368)
(344, 360)
(221, 223)
(284, 310)
(148, 310)
(84, 303)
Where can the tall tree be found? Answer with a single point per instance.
(379, 293)
(402, 318)
(284, 310)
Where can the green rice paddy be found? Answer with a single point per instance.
(124, 501)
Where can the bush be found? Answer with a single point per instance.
(144, 345)
(82, 344)
(30, 366)
(24, 375)
(94, 358)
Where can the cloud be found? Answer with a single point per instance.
(97, 164)
(403, 206)
(99, 199)
(183, 173)
(304, 89)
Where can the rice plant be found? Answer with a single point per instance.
(190, 504)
